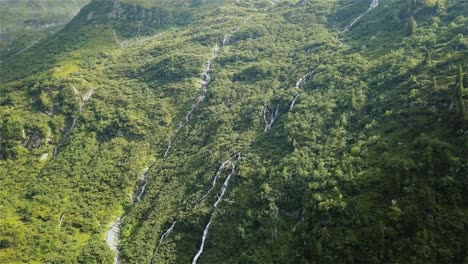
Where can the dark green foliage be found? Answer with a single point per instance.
(412, 25)
(369, 166)
(458, 103)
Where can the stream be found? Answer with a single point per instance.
(220, 194)
(299, 84)
(269, 116)
(113, 234)
(84, 99)
(205, 81)
(372, 6)
(112, 238)
(199, 201)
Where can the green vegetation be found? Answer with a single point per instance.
(24, 22)
(369, 166)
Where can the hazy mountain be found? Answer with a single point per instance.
(24, 22)
(255, 131)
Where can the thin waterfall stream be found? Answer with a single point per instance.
(269, 116)
(231, 160)
(84, 99)
(221, 194)
(205, 81)
(113, 234)
(299, 84)
(372, 6)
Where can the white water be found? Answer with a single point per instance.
(61, 220)
(291, 107)
(213, 184)
(224, 187)
(372, 6)
(113, 237)
(113, 234)
(269, 116)
(226, 39)
(84, 99)
(205, 81)
(143, 184)
(163, 237)
(202, 246)
(221, 194)
(299, 84)
(215, 179)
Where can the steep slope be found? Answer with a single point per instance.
(239, 132)
(24, 22)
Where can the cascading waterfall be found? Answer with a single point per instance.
(372, 6)
(61, 220)
(269, 116)
(113, 234)
(291, 107)
(299, 84)
(213, 184)
(226, 39)
(205, 81)
(163, 237)
(113, 237)
(84, 99)
(143, 184)
(202, 245)
(221, 194)
(215, 179)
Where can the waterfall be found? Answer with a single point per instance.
(213, 184)
(84, 99)
(299, 84)
(202, 246)
(221, 194)
(372, 6)
(215, 179)
(143, 183)
(291, 107)
(61, 220)
(113, 236)
(163, 237)
(269, 116)
(226, 40)
(204, 82)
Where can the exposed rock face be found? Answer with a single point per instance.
(133, 20)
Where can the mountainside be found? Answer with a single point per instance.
(311, 131)
(24, 22)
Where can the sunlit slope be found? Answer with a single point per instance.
(238, 132)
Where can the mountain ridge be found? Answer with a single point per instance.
(352, 143)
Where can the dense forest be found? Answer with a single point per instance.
(254, 131)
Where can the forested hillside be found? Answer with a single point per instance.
(24, 22)
(255, 131)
